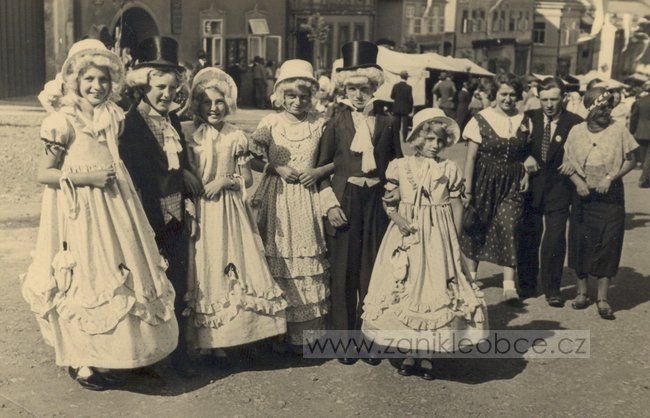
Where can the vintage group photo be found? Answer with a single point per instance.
(324, 207)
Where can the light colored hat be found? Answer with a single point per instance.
(435, 115)
(292, 69)
(91, 47)
(214, 77)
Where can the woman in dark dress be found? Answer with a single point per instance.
(601, 152)
(495, 177)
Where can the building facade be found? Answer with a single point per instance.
(556, 30)
(345, 21)
(420, 29)
(495, 34)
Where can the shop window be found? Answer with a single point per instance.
(213, 40)
(255, 48)
(273, 48)
(359, 31)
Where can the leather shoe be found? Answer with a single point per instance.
(347, 361)
(371, 361)
(555, 301)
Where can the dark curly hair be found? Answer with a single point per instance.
(507, 79)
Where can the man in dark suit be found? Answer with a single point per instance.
(160, 172)
(402, 95)
(360, 140)
(445, 92)
(462, 110)
(640, 128)
(547, 206)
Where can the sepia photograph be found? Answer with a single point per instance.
(324, 208)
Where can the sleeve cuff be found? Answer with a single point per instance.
(328, 199)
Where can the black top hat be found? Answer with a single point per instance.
(159, 51)
(359, 54)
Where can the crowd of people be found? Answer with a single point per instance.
(150, 246)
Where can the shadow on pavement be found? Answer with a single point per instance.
(635, 220)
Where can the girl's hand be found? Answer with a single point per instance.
(466, 199)
(309, 177)
(582, 189)
(288, 174)
(604, 185)
(524, 184)
(212, 189)
(404, 226)
(392, 198)
(101, 178)
(192, 183)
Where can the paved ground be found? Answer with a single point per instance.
(614, 381)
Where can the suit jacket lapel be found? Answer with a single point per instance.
(560, 131)
(149, 139)
(538, 133)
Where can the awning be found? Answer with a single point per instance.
(585, 37)
(258, 26)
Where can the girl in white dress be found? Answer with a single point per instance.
(232, 297)
(287, 203)
(418, 282)
(97, 282)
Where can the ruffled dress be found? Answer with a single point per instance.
(97, 282)
(289, 217)
(417, 283)
(232, 297)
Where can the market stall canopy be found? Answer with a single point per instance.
(417, 66)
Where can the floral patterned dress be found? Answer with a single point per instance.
(97, 282)
(290, 221)
(417, 282)
(232, 297)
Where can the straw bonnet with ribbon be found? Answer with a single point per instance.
(292, 70)
(212, 77)
(435, 115)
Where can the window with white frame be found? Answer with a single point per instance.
(417, 23)
(255, 48)
(273, 48)
(213, 44)
(464, 24)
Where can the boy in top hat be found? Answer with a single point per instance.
(153, 149)
(360, 141)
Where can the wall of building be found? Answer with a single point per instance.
(389, 12)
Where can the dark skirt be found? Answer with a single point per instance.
(596, 232)
(499, 206)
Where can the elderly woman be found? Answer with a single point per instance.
(360, 141)
(498, 145)
(153, 149)
(601, 152)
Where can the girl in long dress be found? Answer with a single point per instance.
(232, 297)
(287, 201)
(418, 282)
(97, 282)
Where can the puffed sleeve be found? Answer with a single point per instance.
(392, 175)
(55, 132)
(456, 180)
(628, 142)
(472, 131)
(242, 153)
(261, 138)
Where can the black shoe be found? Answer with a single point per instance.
(555, 301)
(606, 312)
(371, 361)
(348, 361)
(407, 370)
(93, 382)
(426, 373)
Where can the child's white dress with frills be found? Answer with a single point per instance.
(97, 282)
(417, 283)
(232, 297)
